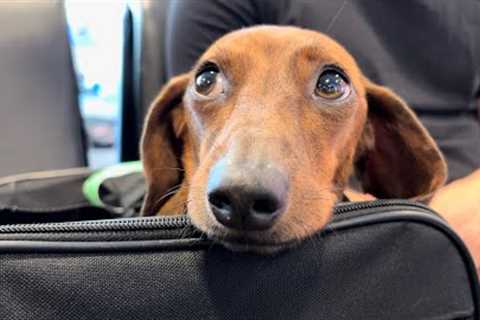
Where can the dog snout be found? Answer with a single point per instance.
(247, 197)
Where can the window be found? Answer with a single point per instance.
(96, 37)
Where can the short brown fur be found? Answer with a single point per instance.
(267, 112)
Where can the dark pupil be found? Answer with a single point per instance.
(330, 84)
(205, 80)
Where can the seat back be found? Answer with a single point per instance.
(40, 122)
(144, 72)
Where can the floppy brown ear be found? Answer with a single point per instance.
(397, 157)
(161, 144)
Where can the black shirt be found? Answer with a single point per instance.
(428, 51)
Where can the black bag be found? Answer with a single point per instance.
(375, 260)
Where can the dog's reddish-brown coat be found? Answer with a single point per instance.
(269, 113)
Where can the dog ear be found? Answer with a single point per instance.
(161, 144)
(397, 157)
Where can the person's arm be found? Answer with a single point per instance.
(459, 203)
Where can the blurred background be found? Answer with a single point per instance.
(77, 78)
(97, 41)
(78, 75)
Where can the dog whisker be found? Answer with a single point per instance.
(166, 195)
(184, 231)
(170, 193)
(167, 168)
(177, 187)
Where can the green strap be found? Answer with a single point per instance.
(91, 186)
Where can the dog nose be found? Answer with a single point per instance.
(238, 208)
(247, 199)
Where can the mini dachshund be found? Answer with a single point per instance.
(259, 140)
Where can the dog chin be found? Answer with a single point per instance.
(260, 243)
(265, 250)
(248, 245)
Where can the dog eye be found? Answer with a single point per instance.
(207, 80)
(331, 85)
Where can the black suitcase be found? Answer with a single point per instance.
(375, 260)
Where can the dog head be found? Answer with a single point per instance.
(264, 132)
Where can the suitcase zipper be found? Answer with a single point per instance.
(355, 206)
(127, 224)
(180, 222)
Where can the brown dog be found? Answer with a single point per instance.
(258, 141)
